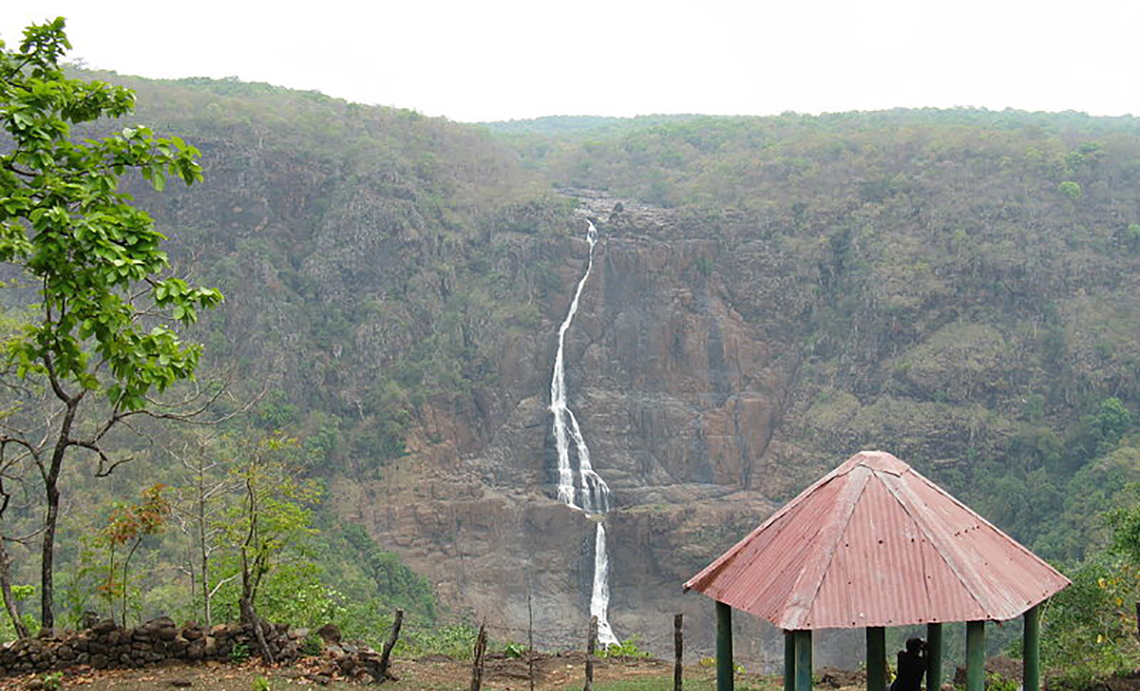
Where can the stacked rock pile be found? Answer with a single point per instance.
(106, 645)
(341, 660)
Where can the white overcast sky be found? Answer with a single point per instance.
(501, 59)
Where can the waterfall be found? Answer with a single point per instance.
(600, 594)
(585, 489)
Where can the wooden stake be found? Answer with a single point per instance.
(529, 636)
(591, 643)
(477, 655)
(386, 652)
(678, 650)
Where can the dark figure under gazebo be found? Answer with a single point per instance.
(911, 666)
(870, 545)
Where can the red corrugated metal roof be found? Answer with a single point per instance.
(874, 543)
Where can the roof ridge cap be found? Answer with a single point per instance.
(1025, 550)
(796, 609)
(969, 579)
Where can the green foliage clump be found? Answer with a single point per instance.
(627, 648)
(1071, 189)
(997, 682)
(63, 221)
(239, 652)
(1087, 628)
(453, 640)
(396, 584)
(52, 681)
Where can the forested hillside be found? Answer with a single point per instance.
(974, 297)
(959, 288)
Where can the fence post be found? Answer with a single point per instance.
(678, 650)
(529, 636)
(477, 655)
(590, 644)
(386, 652)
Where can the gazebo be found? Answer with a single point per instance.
(874, 544)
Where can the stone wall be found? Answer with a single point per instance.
(107, 645)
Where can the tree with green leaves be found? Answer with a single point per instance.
(272, 515)
(103, 339)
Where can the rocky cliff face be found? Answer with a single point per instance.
(679, 397)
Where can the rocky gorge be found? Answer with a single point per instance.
(769, 295)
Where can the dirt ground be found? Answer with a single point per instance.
(434, 673)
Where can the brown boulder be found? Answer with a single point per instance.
(330, 634)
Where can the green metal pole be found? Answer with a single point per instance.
(803, 660)
(975, 655)
(789, 661)
(934, 657)
(876, 658)
(723, 647)
(1031, 655)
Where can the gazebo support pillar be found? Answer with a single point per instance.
(934, 657)
(876, 658)
(975, 655)
(724, 667)
(1031, 651)
(789, 660)
(803, 660)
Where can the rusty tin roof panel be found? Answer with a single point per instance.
(874, 543)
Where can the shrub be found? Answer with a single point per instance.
(626, 648)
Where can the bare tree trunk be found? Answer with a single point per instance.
(204, 552)
(6, 590)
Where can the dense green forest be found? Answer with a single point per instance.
(959, 287)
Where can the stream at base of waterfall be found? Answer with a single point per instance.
(582, 488)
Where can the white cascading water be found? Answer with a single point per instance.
(584, 489)
(600, 594)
